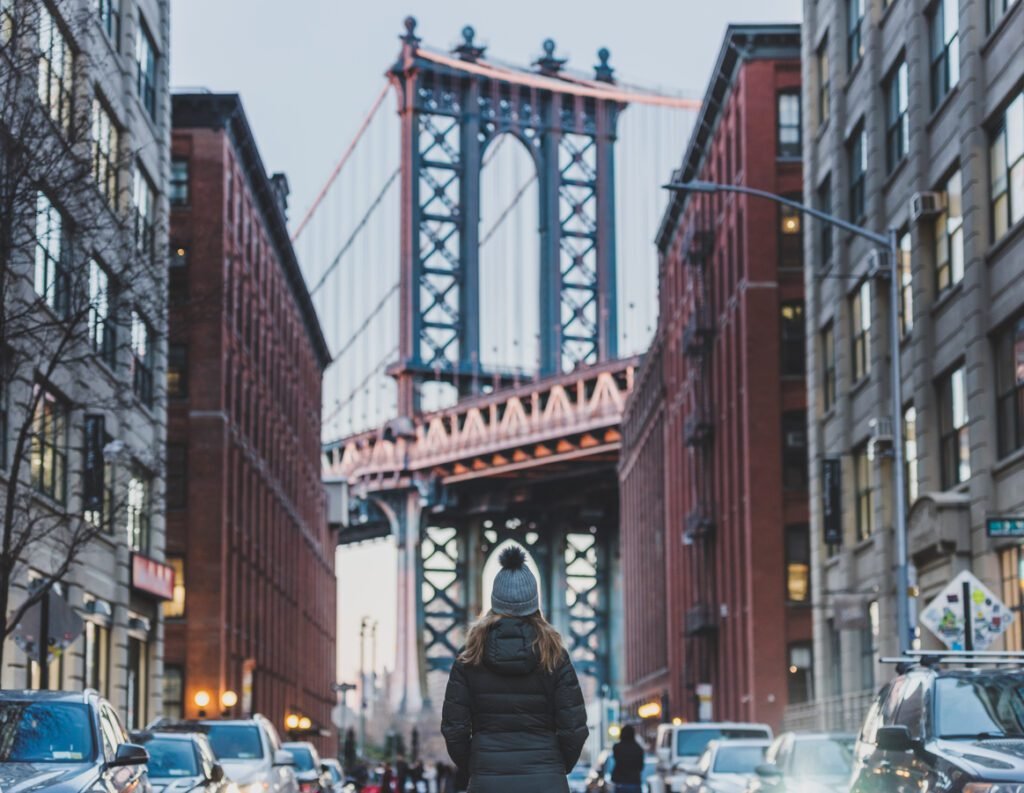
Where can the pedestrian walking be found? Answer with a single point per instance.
(629, 762)
(513, 715)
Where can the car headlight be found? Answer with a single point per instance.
(254, 787)
(994, 787)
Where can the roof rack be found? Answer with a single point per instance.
(932, 658)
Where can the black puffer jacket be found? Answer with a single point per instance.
(518, 728)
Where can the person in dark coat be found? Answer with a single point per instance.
(629, 762)
(513, 714)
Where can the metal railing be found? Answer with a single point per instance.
(842, 713)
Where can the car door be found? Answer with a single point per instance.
(283, 775)
(126, 778)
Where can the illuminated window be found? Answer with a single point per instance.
(860, 321)
(906, 285)
(798, 564)
(56, 70)
(1006, 158)
(954, 433)
(801, 673)
(794, 352)
(864, 507)
(175, 607)
(949, 236)
(791, 241)
(49, 445)
(944, 29)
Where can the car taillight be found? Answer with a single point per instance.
(309, 787)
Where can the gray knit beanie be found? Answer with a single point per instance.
(515, 589)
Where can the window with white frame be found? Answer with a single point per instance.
(864, 507)
(949, 236)
(788, 121)
(145, 61)
(906, 276)
(142, 359)
(56, 70)
(51, 276)
(997, 10)
(140, 485)
(104, 150)
(102, 328)
(954, 434)
(897, 126)
(944, 35)
(860, 326)
(1006, 159)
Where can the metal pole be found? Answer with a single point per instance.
(898, 475)
(44, 642)
(362, 686)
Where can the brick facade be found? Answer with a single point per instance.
(248, 521)
(704, 459)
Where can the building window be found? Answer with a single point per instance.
(897, 126)
(96, 657)
(860, 322)
(56, 70)
(175, 607)
(140, 486)
(105, 138)
(177, 475)
(828, 374)
(144, 199)
(864, 511)
(177, 276)
(910, 453)
(997, 10)
(177, 191)
(51, 277)
(854, 42)
(145, 60)
(97, 475)
(906, 285)
(174, 691)
(954, 434)
(869, 646)
(801, 673)
(949, 236)
(824, 99)
(137, 682)
(1010, 387)
(788, 139)
(798, 564)
(824, 200)
(49, 445)
(102, 328)
(1011, 561)
(944, 28)
(791, 241)
(794, 351)
(177, 370)
(1006, 155)
(142, 360)
(794, 450)
(109, 19)
(857, 157)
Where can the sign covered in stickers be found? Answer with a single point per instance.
(966, 615)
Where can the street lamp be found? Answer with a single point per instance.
(886, 241)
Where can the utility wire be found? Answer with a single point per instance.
(366, 322)
(508, 210)
(341, 404)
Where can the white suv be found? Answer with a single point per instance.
(680, 746)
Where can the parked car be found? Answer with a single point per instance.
(954, 730)
(310, 772)
(806, 763)
(183, 761)
(726, 766)
(249, 750)
(66, 742)
(336, 773)
(679, 748)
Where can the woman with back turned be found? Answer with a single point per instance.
(513, 713)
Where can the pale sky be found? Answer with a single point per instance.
(308, 70)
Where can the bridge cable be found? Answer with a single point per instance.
(508, 210)
(366, 322)
(341, 404)
(341, 163)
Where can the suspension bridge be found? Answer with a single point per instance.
(482, 261)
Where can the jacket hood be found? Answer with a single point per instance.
(510, 647)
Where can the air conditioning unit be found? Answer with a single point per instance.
(926, 204)
(881, 437)
(878, 264)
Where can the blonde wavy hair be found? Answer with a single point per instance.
(548, 643)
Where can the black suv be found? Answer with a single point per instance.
(66, 742)
(950, 730)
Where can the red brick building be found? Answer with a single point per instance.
(714, 472)
(245, 509)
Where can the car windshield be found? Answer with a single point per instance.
(692, 743)
(235, 741)
(171, 757)
(825, 757)
(45, 732)
(738, 759)
(986, 705)
(303, 757)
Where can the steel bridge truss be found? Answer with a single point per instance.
(450, 116)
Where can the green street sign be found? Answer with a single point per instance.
(1005, 527)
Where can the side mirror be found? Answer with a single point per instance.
(281, 757)
(130, 754)
(894, 739)
(663, 755)
(769, 772)
(217, 773)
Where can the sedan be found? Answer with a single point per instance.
(180, 761)
(310, 772)
(806, 763)
(726, 766)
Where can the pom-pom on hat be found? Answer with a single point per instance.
(515, 589)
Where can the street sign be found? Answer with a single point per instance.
(58, 622)
(1005, 526)
(966, 615)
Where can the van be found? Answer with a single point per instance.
(680, 746)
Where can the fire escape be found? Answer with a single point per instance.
(701, 621)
